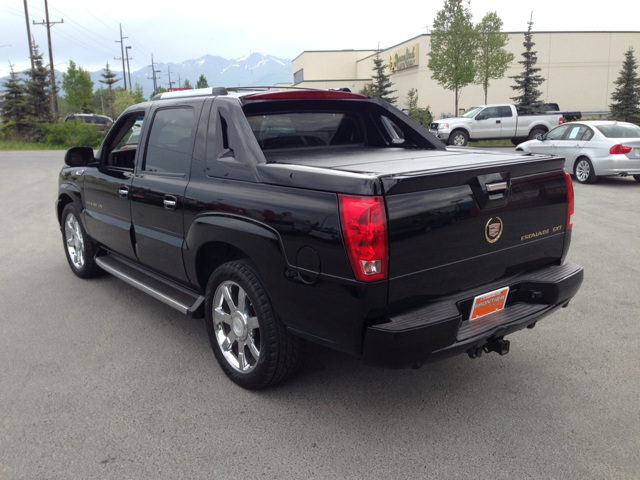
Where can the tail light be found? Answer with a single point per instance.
(570, 201)
(364, 221)
(560, 120)
(619, 149)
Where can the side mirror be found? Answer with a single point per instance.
(539, 137)
(481, 117)
(78, 156)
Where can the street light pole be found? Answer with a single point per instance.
(129, 70)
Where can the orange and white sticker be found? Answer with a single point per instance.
(489, 303)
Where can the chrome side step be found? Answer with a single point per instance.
(176, 296)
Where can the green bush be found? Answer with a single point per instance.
(71, 134)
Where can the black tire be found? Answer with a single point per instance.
(79, 247)
(516, 141)
(458, 138)
(249, 341)
(637, 178)
(583, 171)
(535, 132)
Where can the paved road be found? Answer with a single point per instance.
(98, 380)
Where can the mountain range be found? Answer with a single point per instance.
(253, 69)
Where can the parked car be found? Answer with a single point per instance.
(592, 149)
(101, 121)
(321, 215)
(493, 122)
(568, 116)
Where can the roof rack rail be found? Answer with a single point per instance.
(198, 92)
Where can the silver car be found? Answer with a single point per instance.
(592, 149)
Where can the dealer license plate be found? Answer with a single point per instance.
(489, 303)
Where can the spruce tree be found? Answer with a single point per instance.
(421, 115)
(381, 84)
(109, 80)
(528, 102)
(38, 89)
(626, 97)
(202, 82)
(15, 110)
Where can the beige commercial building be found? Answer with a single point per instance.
(579, 68)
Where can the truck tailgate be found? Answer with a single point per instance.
(454, 230)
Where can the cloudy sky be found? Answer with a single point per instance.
(189, 29)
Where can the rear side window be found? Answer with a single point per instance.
(170, 141)
(505, 112)
(619, 131)
(307, 129)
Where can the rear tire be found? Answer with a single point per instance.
(249, 341)
(78, 245)
(458, 138)
(533, 133)
(583, 171)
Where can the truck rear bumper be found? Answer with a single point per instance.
(442, 329)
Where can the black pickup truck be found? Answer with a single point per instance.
(290, 215)
(567, 116)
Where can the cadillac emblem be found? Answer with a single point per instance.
(493, 230)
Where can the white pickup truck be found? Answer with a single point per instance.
(493, 122)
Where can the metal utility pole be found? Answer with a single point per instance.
(129, 70)
(26, 14)
(170, 82)
(54, 95)
(121, 42)
(179, 82)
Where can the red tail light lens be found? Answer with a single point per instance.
(570, 201)
(619, 149)
(364, 227)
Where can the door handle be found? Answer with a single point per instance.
(170, 202)
(497, 121)
(123, 191)
(496, 187)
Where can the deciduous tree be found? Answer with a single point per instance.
(529, 80)
(492, 59)
(186, 83)
(138, 93)
(626, 97)
(78, 88)
(454, 44)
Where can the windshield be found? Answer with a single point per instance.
(471, 112)
(619, 131)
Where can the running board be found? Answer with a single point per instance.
(176, 296)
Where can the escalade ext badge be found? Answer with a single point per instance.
(492, 231)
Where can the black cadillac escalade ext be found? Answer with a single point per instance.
(288, 215)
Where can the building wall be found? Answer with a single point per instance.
(579, 68)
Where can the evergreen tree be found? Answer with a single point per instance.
(186, 83)
(78, 88)
(492, 60)
(421, 115)
(381, 85)
(202, 82)
(38, 90)
(15, 110)
(138, 93)
(454, 44)
(626, 97)
(109, 80)
(527, 82)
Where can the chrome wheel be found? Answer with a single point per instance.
(236, 327)
(74, 240)
(459, 140)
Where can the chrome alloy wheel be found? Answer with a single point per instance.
(74, 240)
(459, 140)
(236, 327)
(583, 170)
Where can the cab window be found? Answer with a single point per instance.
(170, 141)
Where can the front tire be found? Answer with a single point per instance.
(584, 172)
(78, 245)
(249, 341)
(458, 138)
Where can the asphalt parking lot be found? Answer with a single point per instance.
(99, 380)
